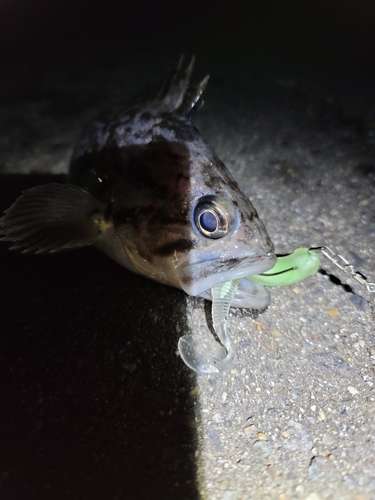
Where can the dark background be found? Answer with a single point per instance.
(334, 34)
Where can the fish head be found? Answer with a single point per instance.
(229, 240)
(220, 237)
(229, 243)
(192, 225)
(179, 216)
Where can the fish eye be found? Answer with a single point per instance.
(214, 216)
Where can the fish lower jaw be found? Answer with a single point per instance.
(202, 276)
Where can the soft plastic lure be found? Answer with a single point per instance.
(206, 355)
(290, 269)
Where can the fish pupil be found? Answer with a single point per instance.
(208, 222)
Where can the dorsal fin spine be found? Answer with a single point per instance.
(175, 93)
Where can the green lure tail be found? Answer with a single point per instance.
(290, 269)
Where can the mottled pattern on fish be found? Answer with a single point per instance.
(151, 176)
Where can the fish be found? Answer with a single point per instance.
(146, 189)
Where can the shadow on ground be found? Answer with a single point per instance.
(95, 402)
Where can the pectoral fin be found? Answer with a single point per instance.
(51, 218)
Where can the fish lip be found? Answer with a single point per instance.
(234, 264)
(245, 262)
(240, 268)
(237, 263)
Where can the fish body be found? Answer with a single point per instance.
(146, 188)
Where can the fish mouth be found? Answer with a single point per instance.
(198, 275)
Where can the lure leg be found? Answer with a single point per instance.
(206, 355)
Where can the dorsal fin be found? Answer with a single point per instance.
(176, 94)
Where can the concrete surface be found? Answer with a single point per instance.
(97, 403)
